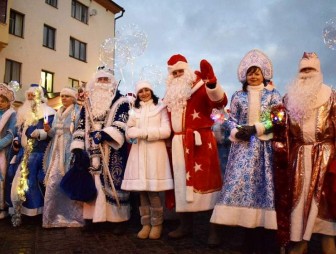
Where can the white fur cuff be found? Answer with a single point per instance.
(215, 94)
(232, 136)
(118, 138)
(260, 129)
(77, 144)
(42, 134)
(153, 134)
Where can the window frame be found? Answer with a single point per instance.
(13, 27)
(72, 81)
(53, 3)
(11, 64)
(79, 11)
(3, 11)
(47, 32)
(76, 52)
(44, 81)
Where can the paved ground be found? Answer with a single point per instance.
(30, 237)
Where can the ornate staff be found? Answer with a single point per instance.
(105, 166)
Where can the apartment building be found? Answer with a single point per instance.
(53, 42)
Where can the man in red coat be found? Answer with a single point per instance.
(190, 98)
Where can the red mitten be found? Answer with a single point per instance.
(207, 72)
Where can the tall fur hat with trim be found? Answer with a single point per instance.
(310, 60)
(177, 62)
(142, 84)
(257, 58)
(7, 92)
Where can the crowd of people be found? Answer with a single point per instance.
(79, 165)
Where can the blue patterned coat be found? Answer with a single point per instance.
(247, 196)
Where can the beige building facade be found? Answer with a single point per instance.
(54, 43)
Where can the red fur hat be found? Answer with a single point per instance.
(177, 62)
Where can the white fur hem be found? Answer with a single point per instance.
(244, 216)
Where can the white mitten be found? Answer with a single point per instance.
(133, 132)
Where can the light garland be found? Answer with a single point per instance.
(278, 113)
(219, 116)
(22, 187)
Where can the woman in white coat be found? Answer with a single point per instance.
(148, 169)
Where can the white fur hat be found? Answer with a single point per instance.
(142, 84)
(100, 73)
(310, 60)
(70, 92)
(33, 88)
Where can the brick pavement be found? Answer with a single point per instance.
(30, 237)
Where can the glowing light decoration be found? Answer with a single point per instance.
(14, 85)
(219, 116)
(277, 114)
(329, 34)
(106, 52)
(22, 186)
(152, 74)
(133, 38)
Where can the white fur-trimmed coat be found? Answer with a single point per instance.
(148, 167)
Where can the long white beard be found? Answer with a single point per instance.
(101, 97)
(178, 91)
(25, 114)
(302, 95)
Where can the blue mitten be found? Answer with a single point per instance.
(99, 137)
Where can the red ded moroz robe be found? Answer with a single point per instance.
(197, 174)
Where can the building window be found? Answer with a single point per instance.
(16, 23)
(3, 11)
(49, 35)
(52, 3)
(12, 71)
(47, 80)
(79, 11)
(77, 49)
(73, 83)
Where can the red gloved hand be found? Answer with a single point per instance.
(207, 72)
